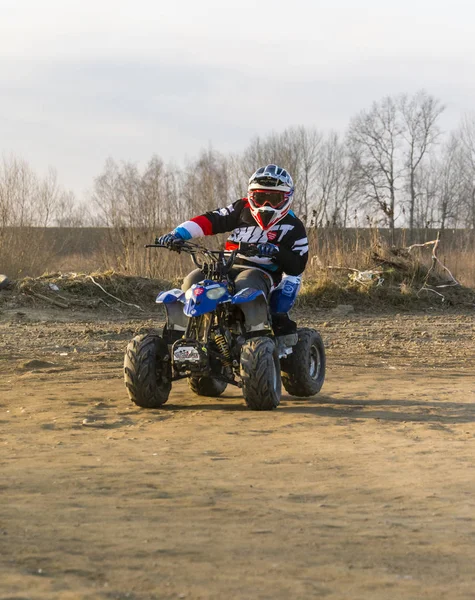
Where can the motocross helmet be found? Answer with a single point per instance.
(270, 195)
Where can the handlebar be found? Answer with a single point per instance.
(218, 257)
(245, 248)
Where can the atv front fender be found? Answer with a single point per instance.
(173, 301)
(170, 296)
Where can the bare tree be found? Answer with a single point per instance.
(282, 149)
(334, 182)
(238, 176)
(205, 183)
(106, 196)
(296, 149)
(419, 116)
(466, 134)
(48, 196)
(308, 143)
(374, 138)
(450, 184)
(69, 214)
(426, 202)
(18, 191)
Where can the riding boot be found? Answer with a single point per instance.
(282, 324)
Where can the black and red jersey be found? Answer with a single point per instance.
(289, 235)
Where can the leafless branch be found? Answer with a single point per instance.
(435, 261)
(114, 297)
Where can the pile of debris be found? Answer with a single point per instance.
(391, 276)
(122, 293)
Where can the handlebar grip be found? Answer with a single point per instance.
(175, 244)
(248, 249)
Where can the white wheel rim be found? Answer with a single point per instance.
(274, 376)
(315, 362)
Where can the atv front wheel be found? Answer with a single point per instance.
(260, 374)
(303, 371)
(147, 371)
(206, 386)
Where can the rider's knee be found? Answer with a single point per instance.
(252, 278)
(194, 277)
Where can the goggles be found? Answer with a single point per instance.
(262, 198)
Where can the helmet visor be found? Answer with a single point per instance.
(262, 198)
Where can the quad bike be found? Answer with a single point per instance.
(215, 337)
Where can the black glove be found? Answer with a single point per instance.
(169, 239)
(267, 249)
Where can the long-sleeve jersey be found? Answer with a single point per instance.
(289, 235)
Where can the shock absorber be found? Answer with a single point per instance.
(223, 348)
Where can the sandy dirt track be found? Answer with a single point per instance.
(366, 491)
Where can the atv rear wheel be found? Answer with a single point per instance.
(147, 371)
(303, 371)
(260, 374)
(206, 386)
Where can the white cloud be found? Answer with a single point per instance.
(81, 80)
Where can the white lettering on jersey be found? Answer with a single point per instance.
(254, 234)
(301, 246)
(284, 229)
(225, 211)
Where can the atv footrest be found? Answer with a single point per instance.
(285, 343)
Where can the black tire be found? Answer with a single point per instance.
(260, 374)
(4, 282)
(206, 386)
(147, 371)
(303, 372)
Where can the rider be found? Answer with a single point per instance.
(263, 218)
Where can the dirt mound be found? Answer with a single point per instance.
(387, 278)
(80, 290)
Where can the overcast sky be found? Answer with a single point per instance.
(81, 80)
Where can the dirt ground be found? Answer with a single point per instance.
(365, 491)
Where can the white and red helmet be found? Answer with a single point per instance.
(270, 195)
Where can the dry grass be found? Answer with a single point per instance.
(122, 264)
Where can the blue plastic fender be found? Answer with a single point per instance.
(171, 296)
(198, 302)
(247, 295)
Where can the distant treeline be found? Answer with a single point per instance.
(392, 167)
